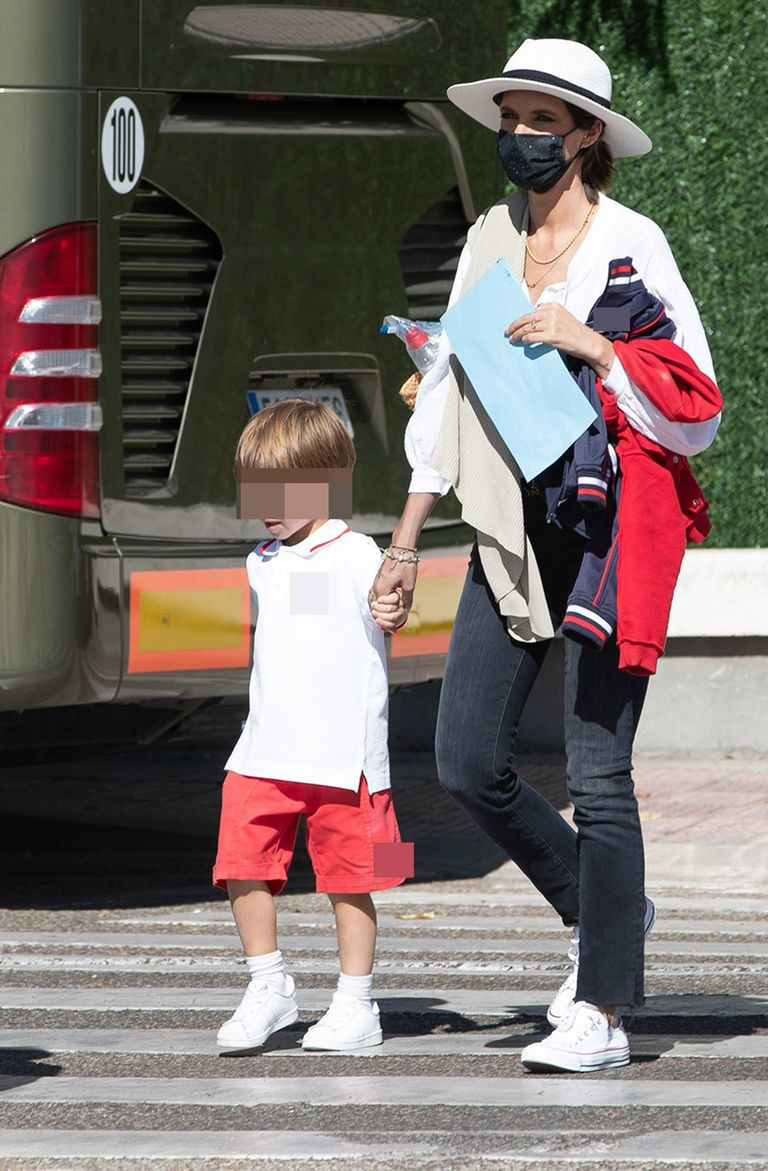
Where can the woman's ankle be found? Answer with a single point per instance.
(610, 1014)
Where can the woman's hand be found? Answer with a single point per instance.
(391, 595)
(555, 326)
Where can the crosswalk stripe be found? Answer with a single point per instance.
(195, 1144)
(289, 943)
(190, 1042)
(387, 1091)
(143, 999)
(700, 1146)
(716, 903)
(186, 965)
(742, 1148)
(195, 965)
(202, 965)
(463, 1001)
(475, 947)
(496, 924)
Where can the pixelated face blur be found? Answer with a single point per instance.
(290, 531)
(283, 498)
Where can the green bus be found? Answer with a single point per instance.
(205, 207)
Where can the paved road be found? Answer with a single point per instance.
(118, 963)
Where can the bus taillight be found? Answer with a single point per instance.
(49, 368)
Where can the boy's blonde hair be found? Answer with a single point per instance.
(295, 433)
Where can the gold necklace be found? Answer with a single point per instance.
(563, 251)
(539, 279)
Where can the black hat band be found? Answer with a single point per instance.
(550, 79)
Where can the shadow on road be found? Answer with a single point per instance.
(20, 1067)
(139, 828)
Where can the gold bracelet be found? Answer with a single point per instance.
(403, 548)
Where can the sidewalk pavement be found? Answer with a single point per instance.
(705, 821)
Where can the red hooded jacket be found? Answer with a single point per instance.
(652, 538)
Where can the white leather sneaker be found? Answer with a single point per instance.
(566, 993)
(584, 1040)
(261, 1012)
(348, 1024)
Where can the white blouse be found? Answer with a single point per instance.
(616, 231)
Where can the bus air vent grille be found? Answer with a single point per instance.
(168, 262)
(429, 256)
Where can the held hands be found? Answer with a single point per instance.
(391, 595)
(388, 611)
(555, 326)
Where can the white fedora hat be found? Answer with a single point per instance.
(567, 70)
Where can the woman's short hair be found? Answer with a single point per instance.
(295, 433)
(597, 168)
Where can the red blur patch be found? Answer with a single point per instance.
(393, 859)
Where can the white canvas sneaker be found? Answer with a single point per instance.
(261, 1012)
(566, 993)
(584, 1040)
(349, 1023)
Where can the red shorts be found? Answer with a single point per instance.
(259, 820)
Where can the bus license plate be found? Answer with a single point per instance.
(329, 396)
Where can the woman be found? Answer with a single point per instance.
(578, 251)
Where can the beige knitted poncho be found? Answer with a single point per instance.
(472, 456)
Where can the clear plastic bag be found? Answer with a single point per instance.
(420, 338)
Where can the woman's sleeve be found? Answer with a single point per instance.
(662, 277)
(424, 425)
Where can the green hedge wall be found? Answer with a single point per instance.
(693, 74)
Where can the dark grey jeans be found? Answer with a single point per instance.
(593, 877)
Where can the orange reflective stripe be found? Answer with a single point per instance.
(188, 620)
(438, 589)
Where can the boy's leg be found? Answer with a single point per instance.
(352, 1021)
(269, 1003)
(341, 830)
(255, 917)
(355, 932)
(257, 830)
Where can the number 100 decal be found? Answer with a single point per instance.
(122, 145)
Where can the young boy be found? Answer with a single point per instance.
(315, 741)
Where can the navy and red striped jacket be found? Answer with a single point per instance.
(636, 527)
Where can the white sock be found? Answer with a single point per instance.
(361, 987)
(269, 969)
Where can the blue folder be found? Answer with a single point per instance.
(531, 398)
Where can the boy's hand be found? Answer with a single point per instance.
(391, 595)
(388, 610)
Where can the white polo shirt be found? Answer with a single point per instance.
(318, 690)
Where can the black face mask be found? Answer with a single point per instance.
(533, 161)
